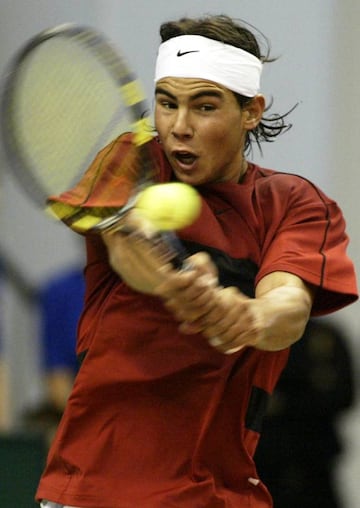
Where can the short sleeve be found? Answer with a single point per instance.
(304, 234)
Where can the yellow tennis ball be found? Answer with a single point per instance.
(169, 206)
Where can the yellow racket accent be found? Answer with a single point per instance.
(132, 93)
(143, 131)
(61, 210)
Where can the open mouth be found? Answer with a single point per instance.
(185, 158)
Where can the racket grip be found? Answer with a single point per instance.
(166, 243)
(178, 255)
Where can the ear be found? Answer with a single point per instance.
(253, 112)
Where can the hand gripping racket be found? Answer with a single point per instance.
(67, 94)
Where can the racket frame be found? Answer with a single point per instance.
(116, 66)
(134, 100)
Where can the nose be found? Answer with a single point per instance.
(181, 127)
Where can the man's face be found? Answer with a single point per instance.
(201, 127)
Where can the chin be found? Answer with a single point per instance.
(189, 179)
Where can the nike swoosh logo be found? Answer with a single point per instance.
(182, 53)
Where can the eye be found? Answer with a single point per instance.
(170, 105)
(166, 103)
(207, 107)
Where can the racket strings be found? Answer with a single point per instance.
(63, 110)
(69, 95)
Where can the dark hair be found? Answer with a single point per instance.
(226, 30)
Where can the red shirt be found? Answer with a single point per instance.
(158, 419)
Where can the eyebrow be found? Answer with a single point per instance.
(203, 93)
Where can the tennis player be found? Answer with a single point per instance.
(177, 366)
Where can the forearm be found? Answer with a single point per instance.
(285, 312)
(272, 321)
(229, 320)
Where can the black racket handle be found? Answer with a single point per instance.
(179, 255)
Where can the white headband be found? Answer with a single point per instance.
(195, 56)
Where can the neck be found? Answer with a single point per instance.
(244, 167)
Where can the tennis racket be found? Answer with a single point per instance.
(67, 94)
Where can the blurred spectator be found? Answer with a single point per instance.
(297, 453)
(60, 302)
(9, 273)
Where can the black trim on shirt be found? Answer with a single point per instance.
(240, 273)
(81, 357)
(256, 410)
